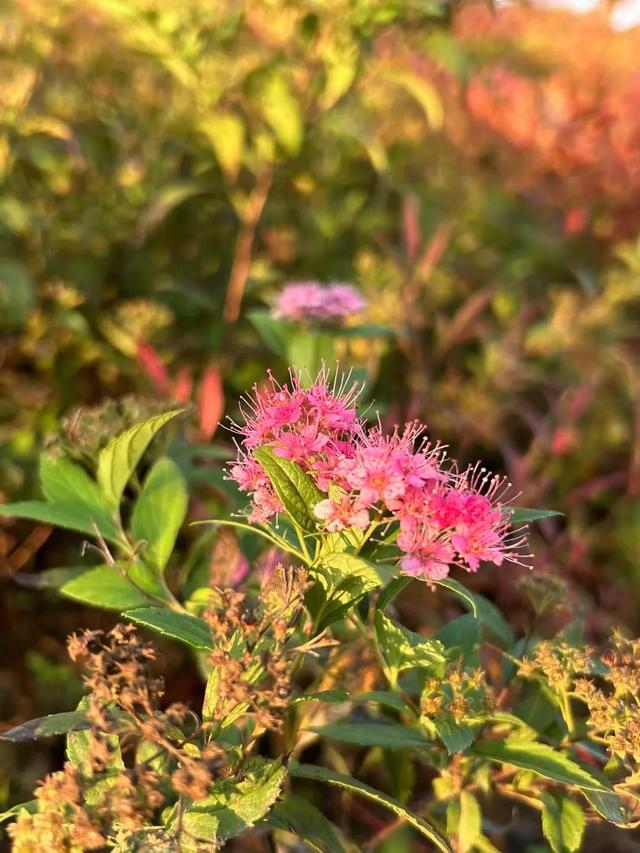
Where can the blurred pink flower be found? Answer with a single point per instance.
(306, 301)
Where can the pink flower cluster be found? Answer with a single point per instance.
(310, 300)
(399, 483)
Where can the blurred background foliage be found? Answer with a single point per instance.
(165, 167)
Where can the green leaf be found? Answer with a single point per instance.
(17, 290)
(392, 589)
(281, 111)
(541, 759)
(273, 332)
(382, 697)
(159, 511)
(404, 649)
(296, 490)
(31, 807)
(563, 822)
(308, 350)
(300, 817)
(348, 783)
(71, 516)
(423, 91)
(609, 805)
(464, 820)
(347, 565)
(387, 735)
(461, 591)
(179, 626)
(234, 806)
(461, 635)
(487, 613)
(79, 752)
(65, 482)
(50, 578)
(166, 200)
(117, 461)
(457, 737)
(370, 330)
(54, 724)
(104, 586)
(524, 514)
(225, 132)
(333, 696)
(350, 590)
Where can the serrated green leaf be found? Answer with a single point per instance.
(300, 817)
(563, 822)
(523, 514)
(234, 806)
(348, 783)
(54, 724)
(347, 565)
(117, 461)
(71, 516)
(541, 759)
(159, 512)
(404, 649)
(296, 490)
(349, 592)
(179, 626)
(104, 586)
(457, 737)
(386, 735)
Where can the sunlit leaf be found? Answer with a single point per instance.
(159, 512)
(348, 783)
(117, 461)
(179, 626)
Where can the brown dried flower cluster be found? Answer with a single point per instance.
(557, 662)
(253, 666)
(96, 798)
(614, 707)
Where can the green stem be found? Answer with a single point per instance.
(303, 545)
(567, 713)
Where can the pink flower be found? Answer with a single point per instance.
(344, 300)
(431, 562)
(301, 444)
(266, 504)
(376, 475)
(478, 543)
(309, 300)
(339, 515)
(443, 517)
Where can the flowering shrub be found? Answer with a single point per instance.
(309, 652)
(367, 481)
